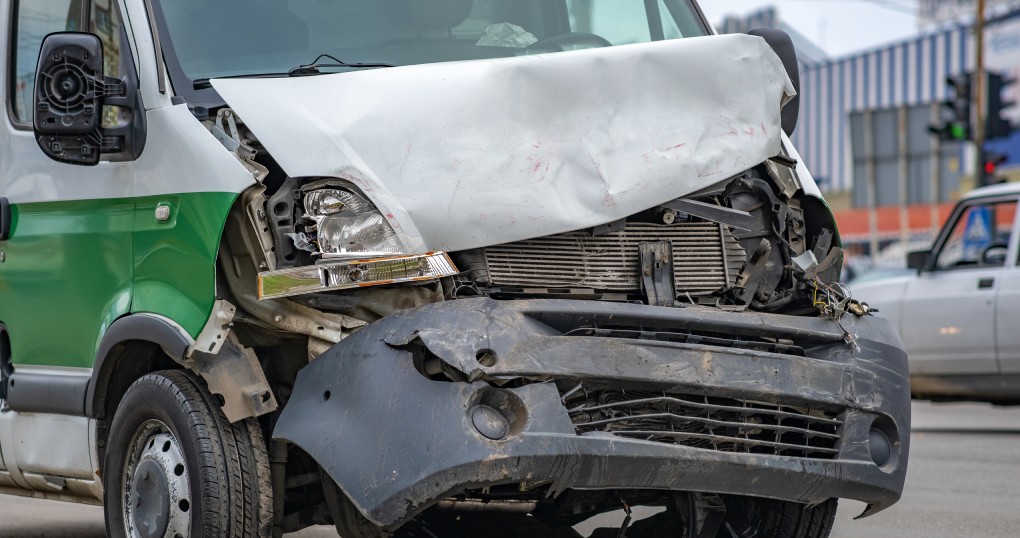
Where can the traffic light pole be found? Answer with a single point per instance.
(979, 93)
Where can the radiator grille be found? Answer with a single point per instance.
(706, 258)
(721, 424)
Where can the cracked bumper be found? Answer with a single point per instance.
(396, 442)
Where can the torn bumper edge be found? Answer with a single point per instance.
(396, 442)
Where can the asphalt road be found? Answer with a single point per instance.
(964, 480)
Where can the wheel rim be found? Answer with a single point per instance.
(155, 487)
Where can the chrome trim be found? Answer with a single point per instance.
(323, 276)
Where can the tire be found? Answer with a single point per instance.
(175, 467)
(739, 517)
(749, 517)
(793, 520)
(347, 520)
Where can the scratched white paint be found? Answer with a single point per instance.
(467, 154)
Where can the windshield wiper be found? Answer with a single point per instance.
(203, 83)
(313, 68)
(299, 71)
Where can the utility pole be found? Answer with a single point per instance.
(979, 92)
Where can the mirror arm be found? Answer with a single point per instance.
(130, 135)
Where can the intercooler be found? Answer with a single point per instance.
(706, 258)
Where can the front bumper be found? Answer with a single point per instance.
(396, 441)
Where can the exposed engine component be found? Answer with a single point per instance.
(731, 246)
(706, 258)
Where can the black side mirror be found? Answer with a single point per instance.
(918, 259)
(783, 46)
(70, 93)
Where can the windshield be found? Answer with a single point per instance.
(205, 39)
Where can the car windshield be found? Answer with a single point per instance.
(206, 39)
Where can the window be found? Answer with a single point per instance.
(35, 19)
(269, 37)
(980, 236)
(621, 23)
(104, 21)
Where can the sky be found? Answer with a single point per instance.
(837, 26)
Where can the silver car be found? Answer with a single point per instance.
(958, 314)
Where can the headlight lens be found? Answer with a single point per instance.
(348, 225)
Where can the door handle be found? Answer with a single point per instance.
(5, 219)
(986, 283)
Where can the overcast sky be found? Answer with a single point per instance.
(838, 26)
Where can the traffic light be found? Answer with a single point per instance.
(990, 163)
(996, 124)
(955, 112)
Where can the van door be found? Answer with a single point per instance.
(67, 265)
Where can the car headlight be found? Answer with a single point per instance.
(348, 225)
(356, 247)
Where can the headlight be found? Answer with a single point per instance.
(348, 225)
(357, 246)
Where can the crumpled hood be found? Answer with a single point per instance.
(461, 155)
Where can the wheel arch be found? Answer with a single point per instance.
(6, 366)
(133, 346)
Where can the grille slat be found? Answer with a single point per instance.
(706, 258)
(722, 424)
(736, 440)
(708, 407)
(684, 419)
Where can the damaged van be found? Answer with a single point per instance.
(431, 268)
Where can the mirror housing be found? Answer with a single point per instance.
(70, 93)
(918, 259)
(783, 46)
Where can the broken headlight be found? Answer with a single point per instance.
(354, 245)
(347, 225)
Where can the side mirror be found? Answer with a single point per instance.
(783, 46)
(918, 259)
(70, 93)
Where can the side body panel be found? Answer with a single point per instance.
(67, 272)
(948, 322)
(87, 248)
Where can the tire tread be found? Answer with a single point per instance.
(233, 464)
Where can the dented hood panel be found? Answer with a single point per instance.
(466, 154)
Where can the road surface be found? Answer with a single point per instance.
(962, 481)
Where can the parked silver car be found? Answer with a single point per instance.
(958, 313)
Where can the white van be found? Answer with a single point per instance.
(425, 268)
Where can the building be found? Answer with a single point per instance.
(937, 12)
(886, 92)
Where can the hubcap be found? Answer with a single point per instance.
(156, 487)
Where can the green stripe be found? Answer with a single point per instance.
(72, 268)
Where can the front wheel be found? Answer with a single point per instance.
(692, 515)
(175, 467)
(753, 518)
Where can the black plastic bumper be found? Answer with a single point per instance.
(396, 441)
